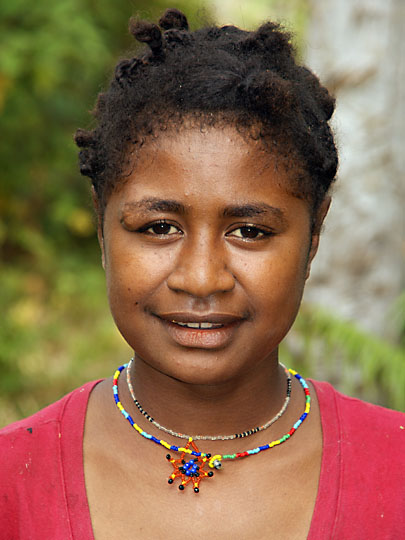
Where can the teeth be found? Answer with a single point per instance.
(206, 325)
(193, 325)
(202, 325)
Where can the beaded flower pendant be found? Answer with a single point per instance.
(190, 471)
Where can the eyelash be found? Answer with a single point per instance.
(146, 228)
(260, 233)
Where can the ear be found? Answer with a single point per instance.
(100, 235)
(316, 231)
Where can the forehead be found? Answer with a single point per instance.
(211, 155)
(205, 173)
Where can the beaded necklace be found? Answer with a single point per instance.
(193, 471)
(210, 437)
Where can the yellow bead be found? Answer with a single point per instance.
(214, 458)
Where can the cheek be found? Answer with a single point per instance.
(277, 280)
(134, 273)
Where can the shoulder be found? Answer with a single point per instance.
(30, 448)
(32, 455)
(51, 415)
(366, 432)
(361, 491)
(34, 439)
(367, 440)
(359, 419)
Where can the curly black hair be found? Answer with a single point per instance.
(215, 74)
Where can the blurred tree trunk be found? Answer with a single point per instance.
(357, 49)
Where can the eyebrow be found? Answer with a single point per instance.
(252, 210)
(157, 205)
(154, 204)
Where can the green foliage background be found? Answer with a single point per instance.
(56, 331)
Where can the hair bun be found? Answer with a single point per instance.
(84, 138)
(327, 102)
(267, 91)
(148, 33)
(125, 70)
(173, 18)
(324, 100)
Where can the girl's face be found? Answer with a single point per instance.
(206, 254)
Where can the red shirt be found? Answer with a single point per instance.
(361, 493)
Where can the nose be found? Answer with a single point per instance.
(201, 269)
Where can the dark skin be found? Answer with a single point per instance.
(204, 229)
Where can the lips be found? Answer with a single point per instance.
(208, 331)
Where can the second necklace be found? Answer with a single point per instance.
(211, 437)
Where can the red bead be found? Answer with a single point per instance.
(306, 392)
(291, 431)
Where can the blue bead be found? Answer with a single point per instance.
(174, 448)
(264, 447)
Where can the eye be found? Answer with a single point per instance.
(249, 232)
(160, 228)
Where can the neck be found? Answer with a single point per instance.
(218, 409)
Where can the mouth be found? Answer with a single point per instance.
(198, 325)
(210, 331)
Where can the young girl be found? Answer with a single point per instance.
(211, 163)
